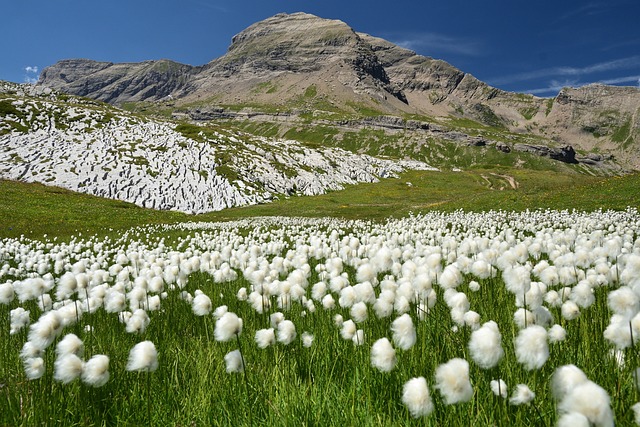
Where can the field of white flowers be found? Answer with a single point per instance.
(457, 319)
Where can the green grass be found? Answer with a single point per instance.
(35, 210)
(331, 383)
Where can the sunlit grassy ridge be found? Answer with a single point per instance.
(34, 209)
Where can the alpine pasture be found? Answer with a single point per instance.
(489, 318)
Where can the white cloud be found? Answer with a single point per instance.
(619, 80)
(432, 43)
(555, 85)
(615, 65)
(31, 74)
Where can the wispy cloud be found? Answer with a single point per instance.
(210, 5)
(589, 9)
(31, 74)
(556, 85)
(433, 43)
(559, 72)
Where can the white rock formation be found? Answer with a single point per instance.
(93, 148)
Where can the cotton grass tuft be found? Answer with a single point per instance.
(452, 380)
(383, 355)
(416, 397)
(143, 357)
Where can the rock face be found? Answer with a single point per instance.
(118, 83)
(305, 63)
(93, 148)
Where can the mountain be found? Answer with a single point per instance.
(294, 69)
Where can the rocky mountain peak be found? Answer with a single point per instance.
(299, 43)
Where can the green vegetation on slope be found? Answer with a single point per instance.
(34, 209)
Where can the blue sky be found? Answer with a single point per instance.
(534, 46)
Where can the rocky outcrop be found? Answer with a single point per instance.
(118, 83)
(88, 147)
(564, 154)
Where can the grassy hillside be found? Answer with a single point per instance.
(34, 209)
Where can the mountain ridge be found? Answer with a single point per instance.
(302, 63)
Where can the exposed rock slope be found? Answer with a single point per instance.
(93, 148)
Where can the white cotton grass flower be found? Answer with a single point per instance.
(416, 397)
(553, 298)
(582, 294)
(19, 318)
(543, 317)
(114, 301)
(619, 333)
(201, 304)
(69, 314)
(383, 355)
(532, 349)
(358, 338)
(573, 419)
(67, 368)
(485, 345)
(570, 310)
(143, 357)
(96, 371)
(590, 400)
(359, 312)
(275, 319)
(522, 395)
(499, 388)
(228, 327)
(265, 337)
(401, 304)
(34, 367)
(472, 320)
(328, 302)
(45, 303)
(152, 303)
(319, 290)
(338, 320)
(382, 307)
(233, 362)
(138, 322)
(523, 318)
(286, 332)
(565, 378)
(474, 286)
(46, 329)
(220, 311)
(67, 286)
(347, 297)
(307, 339)
(556, 334)
(636, 413)
(624, 301)
(30, 351)
(70, 344)
(452, 380)
(348, 329)
(6, 293)
(403, 332)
